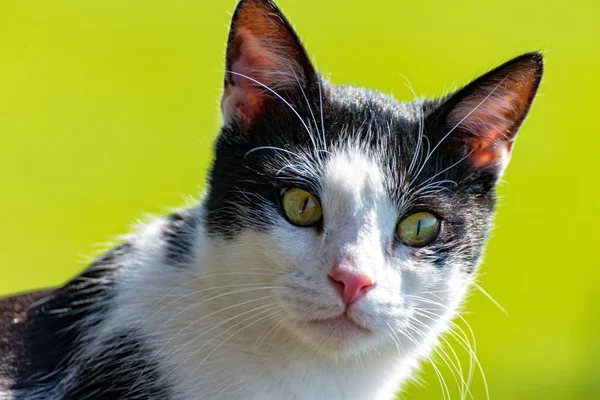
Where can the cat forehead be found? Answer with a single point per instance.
(353, 175)
(354, 193)
(370, 104)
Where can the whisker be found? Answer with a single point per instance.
(321, 108)
(146, 316)
(418, 149)
(496, 303)
(272, 148)
(196, 304)
(456, 126)
(265, 308)
(471, 349)
(157, 352)
(395, 338)
(452, 366)
(309, 109)
(276, 94)
(238, 331)
(443, 385)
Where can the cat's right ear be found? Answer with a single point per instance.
(264, 60)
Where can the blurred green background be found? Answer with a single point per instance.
(108, 110)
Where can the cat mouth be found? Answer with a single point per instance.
(341, 323)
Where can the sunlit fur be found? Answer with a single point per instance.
(238, 323)
(229, 300)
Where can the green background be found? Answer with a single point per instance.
(108, 111)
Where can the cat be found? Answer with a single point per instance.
(337, 237)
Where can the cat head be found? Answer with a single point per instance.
(369, 214)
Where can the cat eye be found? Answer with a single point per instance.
(418, 229)
(301, 207)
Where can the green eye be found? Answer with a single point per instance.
(418, 229)
(301, 207)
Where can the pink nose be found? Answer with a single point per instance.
(351, 286)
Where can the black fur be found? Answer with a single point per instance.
(251, 160)
(245, 186)
(43, 335)
(179, 234)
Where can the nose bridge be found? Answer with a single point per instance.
(355, 246)
(355, 257)
(353, 193)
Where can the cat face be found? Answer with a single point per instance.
(370, 214)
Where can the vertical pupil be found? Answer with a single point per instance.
(306, 200)
(418, 226)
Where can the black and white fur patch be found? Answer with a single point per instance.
(228, 300)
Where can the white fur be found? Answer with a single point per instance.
(237, 324)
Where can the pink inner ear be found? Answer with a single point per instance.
(492, 116)
(261, 53)
(495, 154)
(490, 120)
(242, 96)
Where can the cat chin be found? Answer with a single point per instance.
(335, 336)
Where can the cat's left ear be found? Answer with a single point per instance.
(265, 60)
(484, 116)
